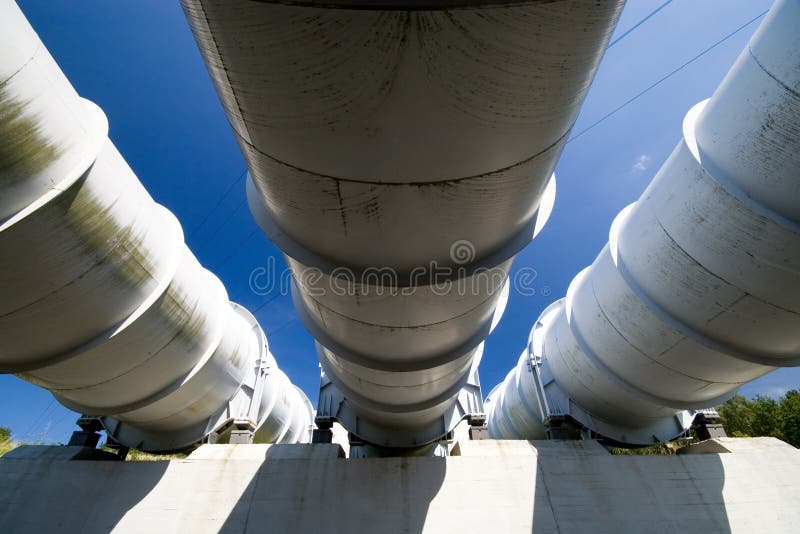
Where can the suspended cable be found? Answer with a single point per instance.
(632, 28)
(273, 297)
(216, 206)
(227, 219)
(60, 420)
(664, 78)
(39, 419)
(237, 249)
(284, 325)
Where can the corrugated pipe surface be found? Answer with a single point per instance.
(400, 155)
(698, 289)
(102, 303)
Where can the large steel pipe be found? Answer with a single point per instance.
(102, 303)
(394, 147)
(698, 289)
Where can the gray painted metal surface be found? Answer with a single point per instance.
(398, 153)
(698, 289)
(102, 303)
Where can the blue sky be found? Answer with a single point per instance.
(137, 60)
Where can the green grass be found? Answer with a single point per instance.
(7, 446)
(670, 447)
(135, 455)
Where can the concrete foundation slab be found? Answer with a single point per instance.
(494, 486)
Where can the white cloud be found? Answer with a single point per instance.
(641, 163)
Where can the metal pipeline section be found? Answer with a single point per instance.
(698, 289)
(101, 302)
(400, 155)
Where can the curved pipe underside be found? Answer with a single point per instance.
(102, 302)
(400, 155)
(698, 289)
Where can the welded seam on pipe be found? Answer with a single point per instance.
(395, 5)
(686, 330)
(321, 307)
(609, 373)
(27, 62)
(381, 365)
(780, 82)
(444, 181)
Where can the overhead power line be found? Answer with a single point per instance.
(216, 206)
(237, 248)
(632, 28)
(664, 78)
(220, 226)
(261, 306)
(39, 420)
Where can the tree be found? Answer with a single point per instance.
(763, 416)
(5, 440)
(766, 417)
(737, 416)
(790, 417)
